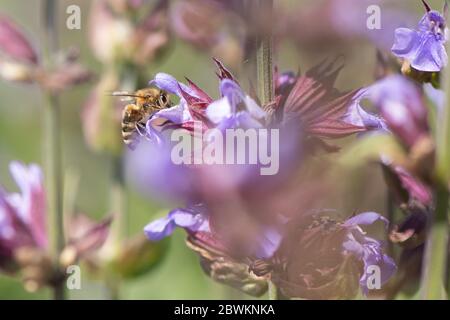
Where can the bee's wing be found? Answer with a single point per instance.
(120, 93)
(125, 96)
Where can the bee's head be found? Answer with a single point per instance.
(147, 96)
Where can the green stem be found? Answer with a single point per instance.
(435, 263)
(264, 58)
(264, 78)
(273, 291)
(53, 151)
(129, 76)
(117, 200)
(390, 208)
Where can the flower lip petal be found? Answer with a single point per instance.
(159, 229)
(165, 82)
(365, 218)
(191, 218)
(168, 83)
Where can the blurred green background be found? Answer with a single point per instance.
(179, 275)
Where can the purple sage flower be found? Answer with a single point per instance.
(23, 215)
(401, 105)
(368, 250)
(23, 224)
(424, 48)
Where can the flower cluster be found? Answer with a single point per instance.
(235, 217)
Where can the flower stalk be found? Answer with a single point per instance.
(264, 80)
(435, 263)
(53, 151)
(264, 57)
(129, 76)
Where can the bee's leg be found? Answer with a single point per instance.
(140, 128)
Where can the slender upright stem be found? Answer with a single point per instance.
(264, 56)
(117, 200)
(273, 291)
(264, 75)
(129, 76)
(390, 208)
(435, 263)
(436, 252)
(53, 151)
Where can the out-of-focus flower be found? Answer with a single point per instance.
(66, 74)
(152, 34)
(18, 59)
(401, 105)
(109, 36)
(19, 62)
(424, 48)
(321, 258)
(85, 237)
(402, 108)
(223, 35)
(14, 44)
(104, 254)
(23, 215)
(407, 189)
(116, 38)
(23, 234)
(415, 199)
(403, 114)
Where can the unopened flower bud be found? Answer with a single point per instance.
(224, 269)
(138, 256)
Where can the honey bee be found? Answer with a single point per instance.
(145, 102)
